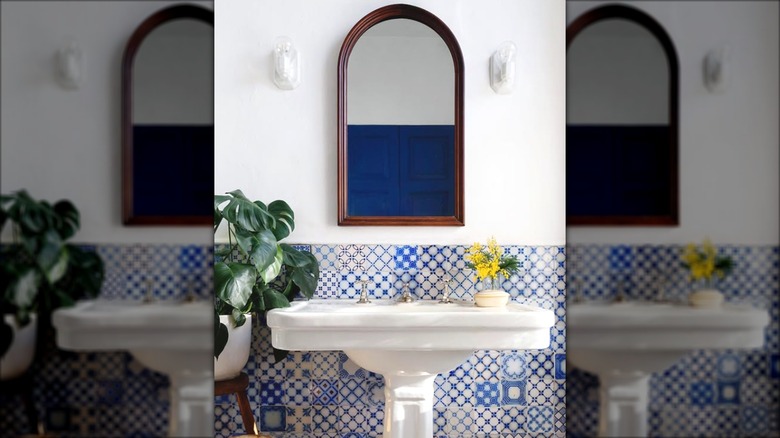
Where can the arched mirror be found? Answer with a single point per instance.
(621, 104)
(168, 119)
(400, 121)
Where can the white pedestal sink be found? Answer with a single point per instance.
(409, 344)
(623, 343)
(171, 338)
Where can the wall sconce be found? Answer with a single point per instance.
(502, 68)
(287, 65)
(69, 70)
(717, 70)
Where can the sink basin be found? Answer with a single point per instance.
(171, 338)
(409, 344)
(623, 343)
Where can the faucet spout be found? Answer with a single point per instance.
(406, 297)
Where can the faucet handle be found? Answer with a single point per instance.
(406, 296)
(363, 291)
(445, 299)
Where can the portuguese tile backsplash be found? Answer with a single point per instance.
(494, 393)
(708, 393)
(111, 394)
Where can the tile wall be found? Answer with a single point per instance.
(709, 393)
(494, 393)
(111, 394)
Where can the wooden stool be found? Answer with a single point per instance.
(237, 385)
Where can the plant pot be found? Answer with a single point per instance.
(236, 353)
(706, 299)
(20, 355)
(491, 298)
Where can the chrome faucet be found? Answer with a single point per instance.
(363, 292)
(149, 295)
(620, 295)
(445, 298)
(406, 297)
(661, 279)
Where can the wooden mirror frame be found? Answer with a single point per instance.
(646, 21)
(420, 15)
(129, 217)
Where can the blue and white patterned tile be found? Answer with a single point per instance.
(325, 364)
(756, 391)
(754, 420)
(457, 423)
(366, 421)
(485, 365)
(273, 418)
(560, 366)
(348, 285)
(487, 421)
(329, 284)
(539, 420)
(728, 392)
(298, 420)
(375, 389)
(753, 363)
(327, 256)
(540, 364)
(380, 258)
(487, 393)
(451, 391)
(353, 391)
(298, 365)
(545, 392)
(513, 421)
(324, 392)
(325, 419)
(296, 392)
(352, 257)
(514, 392)
(406, 258)
(728, 366)
(513, 365)
(702, 393)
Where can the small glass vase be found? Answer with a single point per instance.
(491, 294)
(706, 295)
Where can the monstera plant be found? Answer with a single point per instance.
(255, 272)
(39, 270)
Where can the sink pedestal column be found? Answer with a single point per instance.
(409, 406)
(409, 377)
(192, 405)
(623, 404)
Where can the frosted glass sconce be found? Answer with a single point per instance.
(287, 64)
(502, 68)
(717, 69)
(69, 70)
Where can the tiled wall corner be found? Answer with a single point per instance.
(725, 393)
(508, 394)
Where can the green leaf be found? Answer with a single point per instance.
(220, 335)
(272, 271)
(285, 219)
(246, 214)
(294, 257)
(25, 288)
(52, 256)
(233, 283)
(306, 280)
(274, 299)
(69, 220)
(261, 247)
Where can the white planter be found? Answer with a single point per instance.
(20, 356)
(236, 353)
(706, 299)
(491, 298)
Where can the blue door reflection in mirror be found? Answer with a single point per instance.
(401, 170)
(622, 120)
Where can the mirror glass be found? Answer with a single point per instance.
(172, 125)
(621, 145)
(401, 140)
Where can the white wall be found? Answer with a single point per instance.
(276, 144)
(59, 143)
(729, 154)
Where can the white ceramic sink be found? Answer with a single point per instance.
(623, 343)
(171, 338)
(409, 344)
